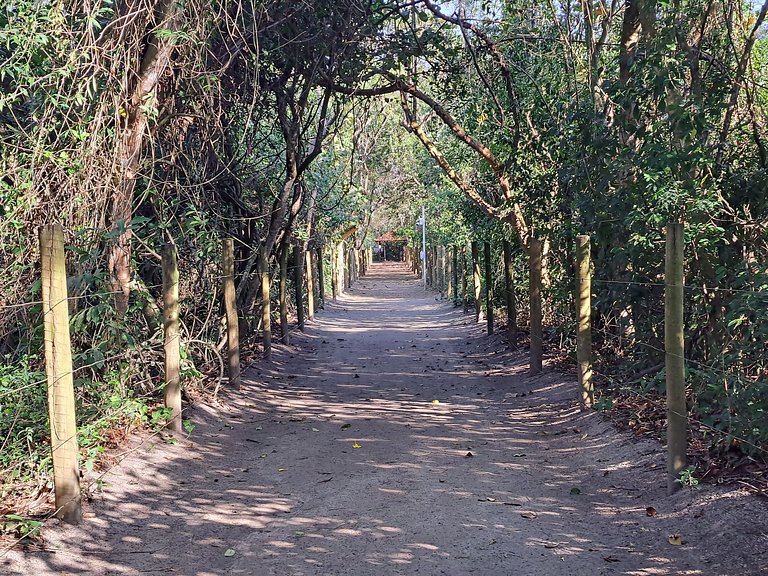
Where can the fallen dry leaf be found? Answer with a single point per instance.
(529, 515)
(551, 545)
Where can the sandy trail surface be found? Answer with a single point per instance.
(394, 437)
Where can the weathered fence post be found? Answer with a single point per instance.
(230, 309)
(320, 278)
(464, 290)
(455, 270)
(476, 280)
(488, 286)
(584, 324)
(448, 273)
(285, 337)
(310, 286)
(334, 273)
(674, 346)
(266, 305)
(353, 255)
(509, 294)
(439, 270)
(444, 283)
(342, 271)
(298, 284)
(172, 392)
(537, 331)
(347, 267)
(58, 368)
(428, 267)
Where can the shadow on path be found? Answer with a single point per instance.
(395, 438)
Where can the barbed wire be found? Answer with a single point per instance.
(96, 481)
(687, 415)
(708, 367)
(685, 287)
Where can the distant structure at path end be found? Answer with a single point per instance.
(389, 247)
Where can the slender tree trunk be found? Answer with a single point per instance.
(154, 63)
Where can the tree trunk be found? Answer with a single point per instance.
(155, 61)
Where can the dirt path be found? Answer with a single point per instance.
(395, 438)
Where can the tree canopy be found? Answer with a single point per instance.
(278, 123)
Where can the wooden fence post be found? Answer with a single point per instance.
(455, 270)
(266, 305)
(448, 273)
(298, 284)
(230, 309)
(285, 337)
(537, 332)
(488, 287)
(439, 269)
(428, 267)
(674, 345)
(341, 264)
(476, 280)
(353, 254)
(172, 393)
(310, 286)
(443, 272)
(464, 290)
(509, 294)
(334, 273)
(320, 278)
(347, 267)
(58, 368)
(584, 323)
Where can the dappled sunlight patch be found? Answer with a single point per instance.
(391, 491)
(281, 544)
(347, 532)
